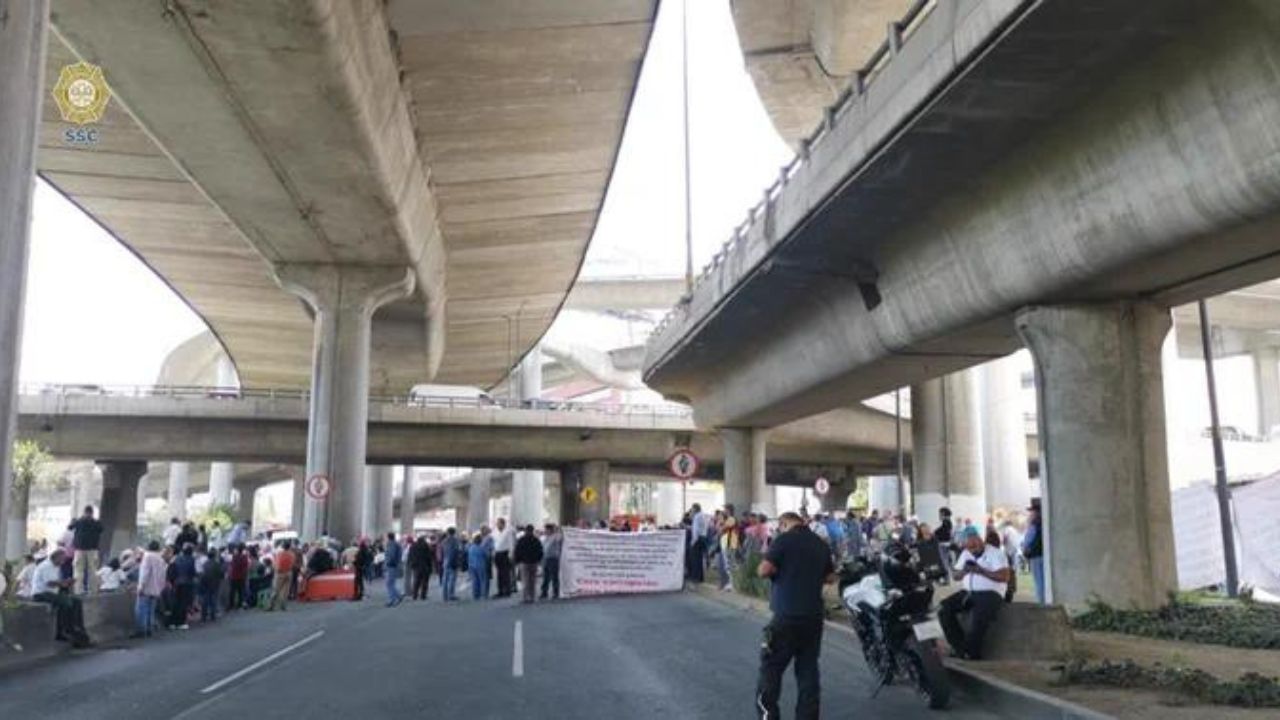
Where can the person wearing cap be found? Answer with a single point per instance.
(48, 586)
(798, 563)
(983, 573)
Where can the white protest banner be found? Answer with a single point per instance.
(611, 563)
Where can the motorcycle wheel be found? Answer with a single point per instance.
(870, 652)
(930, 677)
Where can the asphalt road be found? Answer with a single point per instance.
(665, 656)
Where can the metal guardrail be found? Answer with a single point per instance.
(898, 34)
(408, 401)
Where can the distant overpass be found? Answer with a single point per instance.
(267, 426)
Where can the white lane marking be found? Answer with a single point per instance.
(273, 656)
(517, 652)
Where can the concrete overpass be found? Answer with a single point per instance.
(1051, 173)
(270, 427)
(386, 193)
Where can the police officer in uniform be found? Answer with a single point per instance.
(799, 564)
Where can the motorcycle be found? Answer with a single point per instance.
(890, 603)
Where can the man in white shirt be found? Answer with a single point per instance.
(171, 532)
(983, 573)
(49, 587)
(504, 542)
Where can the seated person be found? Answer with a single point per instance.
(49, 586)
(321, 561)
(983, 574)
(110, 577)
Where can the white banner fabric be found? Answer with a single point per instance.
(598, 562)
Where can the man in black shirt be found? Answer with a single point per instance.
(799, 564)
(86, 535)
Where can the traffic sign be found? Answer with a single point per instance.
(588, 494)
(319, 487)
(683, 464)
(822, 486)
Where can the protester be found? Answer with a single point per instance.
(25, 577)
(552, 548)
(798, 563)
(729, 545)
(450, 551)
(182, 577)
(477, 559)
(49, 586)
(528, 556)
(151, 581)
(171, 532)
(282, 564)
(699, 524)
(110, 577)
(360, 565)
(238, 579)
(983, 573)
(1033, 549)
(420, 564)
(394, 559)
(86, 535)
(487, 543)
(503, 544)
(210, 583)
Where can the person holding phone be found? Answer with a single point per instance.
(48, 586)
(983, 573)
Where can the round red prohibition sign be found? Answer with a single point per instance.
(318, 487)
(683, 464)
(822, 486)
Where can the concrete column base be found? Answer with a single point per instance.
(528, 490)
(1004, 435)
(343, 299)
(179, 483)
(745, 486)
(1108, 524)
(408, 510)
(119, 514)
(574, 481)
(478, 496)
(947, 447)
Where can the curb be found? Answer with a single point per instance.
(990, 692)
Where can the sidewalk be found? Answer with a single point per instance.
(982, 687)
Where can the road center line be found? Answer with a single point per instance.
(273, 656)
(517, 652)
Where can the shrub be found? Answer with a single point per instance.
(745, 579)
(1251, 690)
(1245, 625)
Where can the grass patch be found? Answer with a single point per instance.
(1238, 624)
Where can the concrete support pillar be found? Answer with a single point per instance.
(222, 476)
(1004, 436)
(119, 514)
(299, 498)
(1106, 506)
(574, 480)
(179, 483)
(343, 300)
(837, 498)
(528, 487)
(478, 495)
(408, 508)
(247, 504)
(670, 505)
(142, 494)
(23, 34)
(1266, 383)
(882, 495)
(744, 471)
(379, 485)
(947, 448)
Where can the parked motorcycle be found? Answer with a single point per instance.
(890, 602)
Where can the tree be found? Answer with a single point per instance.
(31, 467)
